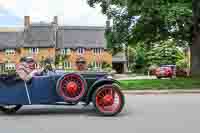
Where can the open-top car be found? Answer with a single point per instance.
(34, 87)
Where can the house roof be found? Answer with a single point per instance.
(38, 36)
(42, 35)
(81, 36)
(8, 40)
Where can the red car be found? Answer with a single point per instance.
(164, 72)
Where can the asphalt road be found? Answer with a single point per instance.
(142, 114)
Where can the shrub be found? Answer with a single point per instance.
(182, 64)
(106, 65)
(152, 69)
(164, 52)
(181, 72)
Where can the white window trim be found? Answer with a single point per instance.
(65, 51)
(97, 50)
(67, 65)
(10, 66)
(96, 64)
(33, 50)
(10, 51)
(81, 51)
(37, 65)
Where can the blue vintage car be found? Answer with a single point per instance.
(60, 88)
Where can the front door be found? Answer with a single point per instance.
(119, 67)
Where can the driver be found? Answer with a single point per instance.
(26, 69)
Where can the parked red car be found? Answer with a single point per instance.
(164, 72)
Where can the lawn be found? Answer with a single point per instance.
(154, 84)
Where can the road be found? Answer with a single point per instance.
(142, 114)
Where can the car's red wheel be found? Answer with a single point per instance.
(71, 87)
(108, 100)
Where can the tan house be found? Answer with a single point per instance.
(83, 42)
(48, 40)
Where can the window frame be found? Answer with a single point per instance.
(97, 64)
(10, 66)
(67, 64)
(10, 51)
(81, 51)
(97, 50)
(65, 51)
(33, 50)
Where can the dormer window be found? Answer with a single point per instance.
(10, 51)
(33, 50)
(80, 50)
(65, 51)
(97, 50)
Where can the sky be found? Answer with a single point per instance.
(69, 12)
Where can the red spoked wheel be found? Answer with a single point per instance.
(71, 87)
(108, 100)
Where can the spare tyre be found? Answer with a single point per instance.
(71, 87)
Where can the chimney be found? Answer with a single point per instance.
(27, 21)
(55, 19)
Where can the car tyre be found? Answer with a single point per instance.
(116, 90)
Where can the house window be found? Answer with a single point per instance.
(33, 50)
(65, 51)
(97, 50)
(37, 65)
(96, 64)
(10, 66)
(67, 65)
(10, 51)
(80, 50)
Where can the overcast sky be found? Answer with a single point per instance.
(70, 12)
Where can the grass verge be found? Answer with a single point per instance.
(162, 84)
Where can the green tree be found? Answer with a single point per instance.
(196, 38)
(151, 21)
(140, 59)
(158, 19)
(166, 54)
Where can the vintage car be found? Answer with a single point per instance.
(60, 88)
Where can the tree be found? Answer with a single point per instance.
(196, 38)
(157, 20)
(166, 54)
(119, 36)
(132, 54)
(140, 59)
